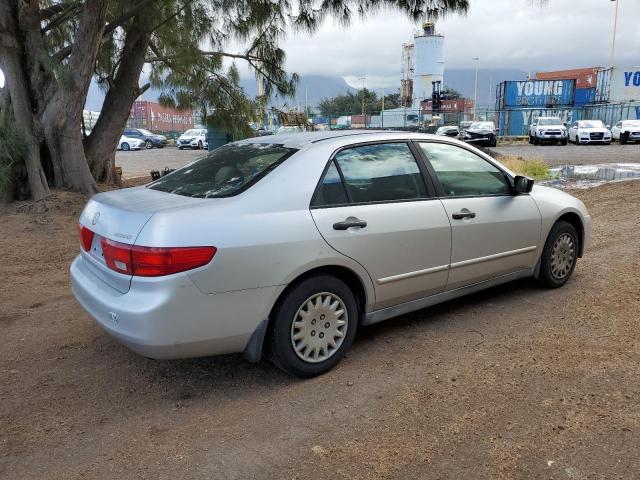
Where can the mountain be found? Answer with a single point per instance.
(319, 86)
(314, 86)
(463, 80)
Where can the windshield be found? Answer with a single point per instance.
(632, 123)
(549, 121)
(144, 132)
(480, 125)
(193, 131)
(225, 171)
(590, 124)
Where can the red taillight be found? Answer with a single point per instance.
(153, 261)
(117, 255)
(86, 237)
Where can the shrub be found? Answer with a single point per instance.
(536, 169)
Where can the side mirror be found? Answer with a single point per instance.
(522, 184)
(608, 127)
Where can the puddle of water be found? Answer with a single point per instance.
(587, 176)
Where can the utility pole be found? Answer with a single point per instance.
(363, 78)
(475, 90)
(613, 39)
(306, 100)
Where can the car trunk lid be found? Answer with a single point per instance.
(120, 216)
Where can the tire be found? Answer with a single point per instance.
(530, 139)
(536, 140)
(493, 142)
(623, 138)
(125, 147)
(563, 142)
(301, 363)
(559, 256)
(180, 148)
(148, 144)
(199, 144)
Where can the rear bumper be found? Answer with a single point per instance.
(169, 317)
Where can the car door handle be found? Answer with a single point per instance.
(463, 214)
(348, 223)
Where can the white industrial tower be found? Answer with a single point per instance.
(424, 65)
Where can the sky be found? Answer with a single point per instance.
(520, 34)
(523, 34)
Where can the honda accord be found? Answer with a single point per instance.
(288, 244)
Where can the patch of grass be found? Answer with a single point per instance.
(536, 169)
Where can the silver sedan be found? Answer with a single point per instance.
(288, 244)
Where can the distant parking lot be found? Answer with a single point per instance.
(140, 163)
(556, 155)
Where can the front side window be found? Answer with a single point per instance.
(463, 173)
(380, 173)
(225, 171)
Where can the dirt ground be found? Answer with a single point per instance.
(511, 383)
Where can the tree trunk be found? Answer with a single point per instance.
(67, 156)
(100, 145)
(62, 114)
(16, 82)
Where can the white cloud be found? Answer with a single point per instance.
(504, 33)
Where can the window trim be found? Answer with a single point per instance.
(431, 191)
(440, 190)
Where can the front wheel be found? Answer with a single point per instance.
(313, 326)
(623, 138)
(199, 145)
(563, 142)
(559, 256)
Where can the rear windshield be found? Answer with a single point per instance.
(224, 172)
(549, 121)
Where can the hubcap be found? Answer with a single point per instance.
(319, 327)
(562, 256)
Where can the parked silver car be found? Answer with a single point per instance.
(288, 244)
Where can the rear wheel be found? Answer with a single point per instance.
(125, 147)
(313, 326)
(559, 256)
(148, 144)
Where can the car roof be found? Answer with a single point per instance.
(305, 139)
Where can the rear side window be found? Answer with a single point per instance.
(463, 173)
(331, 191)
(224, 172)
(379, 173)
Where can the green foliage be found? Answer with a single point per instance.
(188, 56)
(536, 169)
(351, 103)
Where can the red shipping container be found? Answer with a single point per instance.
(584, 77)
(457, 105)
(159, 119)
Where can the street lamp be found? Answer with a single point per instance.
(475, 90)
(613, 40)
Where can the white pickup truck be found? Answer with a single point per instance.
(547, 129)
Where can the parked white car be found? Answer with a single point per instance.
(214, 258)
(193, 138)
(547, 129)
(589, 131)
(127, 143)
(626, 131)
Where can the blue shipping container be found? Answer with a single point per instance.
(536, 93)
(584, 96)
